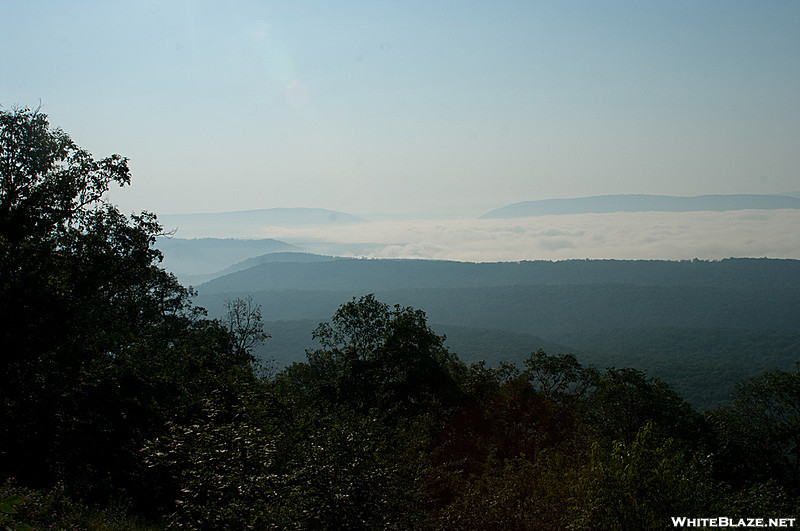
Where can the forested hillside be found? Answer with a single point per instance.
(123, 406)
(700, 325)
(385, 274)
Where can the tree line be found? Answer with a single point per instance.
(124, 406)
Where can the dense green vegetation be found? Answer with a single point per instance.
(702, 364)
(700, 325)
(123, 406)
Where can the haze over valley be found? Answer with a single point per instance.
(685, 228)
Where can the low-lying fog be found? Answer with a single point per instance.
(624, 235)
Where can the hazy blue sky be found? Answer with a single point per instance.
(415, 106)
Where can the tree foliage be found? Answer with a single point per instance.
(47, 182)
(92, 328)
(376, 357)
(243, 321)
(759, 434)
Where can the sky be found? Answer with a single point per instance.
(414, 108)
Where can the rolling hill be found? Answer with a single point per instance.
(201, 256)
(359, 275)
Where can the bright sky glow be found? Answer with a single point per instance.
(415, 107)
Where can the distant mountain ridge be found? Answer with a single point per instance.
(643, 203)
(364, 275)
(201, 256)
(287, 256)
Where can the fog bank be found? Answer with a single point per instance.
(622, 235)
